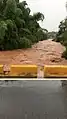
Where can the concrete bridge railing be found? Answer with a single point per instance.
(31, 71)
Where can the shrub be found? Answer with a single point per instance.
(64, 54)
(41, 35)
(25, 43)
(65, 43)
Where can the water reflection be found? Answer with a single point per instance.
(64, 88)
(35, 100)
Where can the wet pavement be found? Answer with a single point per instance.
(33, 100)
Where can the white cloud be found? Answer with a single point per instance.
(53, 10)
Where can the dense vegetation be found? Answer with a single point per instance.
(19, 29)
(52, 35)
(62, 36)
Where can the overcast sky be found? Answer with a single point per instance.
(53, 10)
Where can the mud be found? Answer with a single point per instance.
(44, 52)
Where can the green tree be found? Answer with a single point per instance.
(62, 35)
(10, 9)
(19, 29)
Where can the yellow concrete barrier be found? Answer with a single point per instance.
(1, 70)
(55, 71)
(23, 71)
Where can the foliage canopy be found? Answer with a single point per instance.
(18, 28)
(62, 36)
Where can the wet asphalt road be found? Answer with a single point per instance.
(33, 100)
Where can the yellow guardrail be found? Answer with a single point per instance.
(55, 71)
(1, 70)
(31, 71)
(23, 71)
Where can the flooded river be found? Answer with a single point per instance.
(44, 52)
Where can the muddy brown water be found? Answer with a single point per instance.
(44, 52)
